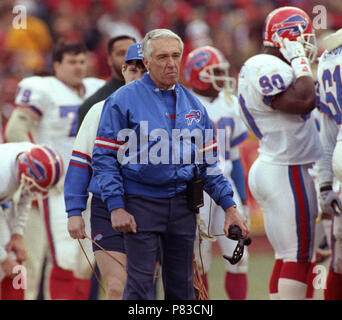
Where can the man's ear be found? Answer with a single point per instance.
(109, 61)
(123, 68)
(55, 66)
(146, 63)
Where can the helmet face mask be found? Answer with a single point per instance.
(206, 67)
(39, 169)
(31, 189)
(291, 23)
(218, 76)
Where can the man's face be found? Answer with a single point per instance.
(165, 62)
(117, 57)
(133, 71)
(72, 69)
(219, 72)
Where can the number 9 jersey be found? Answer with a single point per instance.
(56, 105)
(285, 139)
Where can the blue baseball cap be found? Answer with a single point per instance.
(134, 52)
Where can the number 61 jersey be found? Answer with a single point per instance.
(329, 75)
(284, 138)
(57, 105)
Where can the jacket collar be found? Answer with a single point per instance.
(147, 80)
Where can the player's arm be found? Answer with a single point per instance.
(328, 198)
(6, 263)
(30, 102)
(20, 124)
(299, 97)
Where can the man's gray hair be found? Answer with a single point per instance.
(154, 34)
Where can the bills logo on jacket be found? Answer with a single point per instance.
(98, 236)
(193, 115)
(291, 25)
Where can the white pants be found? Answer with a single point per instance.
(287, 197)
(46, 237)
(66, 252)
(214, 217)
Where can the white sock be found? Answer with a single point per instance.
(289, 289)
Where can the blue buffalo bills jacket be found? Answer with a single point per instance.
(145, 146)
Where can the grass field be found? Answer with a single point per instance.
(260, 266)
(259, 269)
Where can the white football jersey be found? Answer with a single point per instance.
(329, 91)
(9, 180)
(57, 105)
(329, 102)
(232, 130)
(286, 139)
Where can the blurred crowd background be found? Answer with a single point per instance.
(233, 26)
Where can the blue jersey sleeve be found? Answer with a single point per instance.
(76, 183)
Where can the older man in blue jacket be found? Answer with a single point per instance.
(155, 137)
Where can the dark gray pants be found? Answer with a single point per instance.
(166, 225)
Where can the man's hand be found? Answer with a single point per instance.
(122, 221)
(234, 217)
(76, 227)
(330, 202)
(291, 49)
(7, 266)
(16, 245)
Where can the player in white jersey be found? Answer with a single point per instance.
(276, 94)
(206, 71)
(329, 76)
(27, 172)
(46, 112)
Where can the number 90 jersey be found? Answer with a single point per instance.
(57, 105)
(285, 139)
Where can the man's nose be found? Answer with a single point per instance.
(170, 62)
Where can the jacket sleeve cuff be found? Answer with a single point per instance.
(227, 202)
(75, 212)
(116, 202)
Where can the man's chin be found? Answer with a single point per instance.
(172, 79)
(77, 82)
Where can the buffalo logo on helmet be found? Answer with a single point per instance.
(40, 167)
(193, 115)
(291, 24)
(35, 169)
(196, 62)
